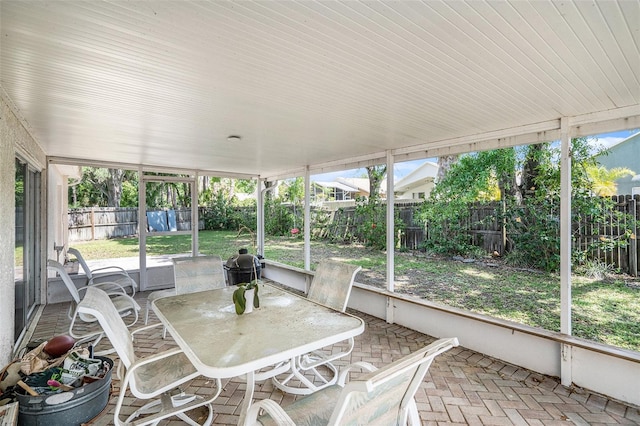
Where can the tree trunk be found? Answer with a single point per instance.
(114, 187)
(268, 195)
(531, 169)
(444, 165)
(376, 174)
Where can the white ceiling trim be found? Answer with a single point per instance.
(145, 168)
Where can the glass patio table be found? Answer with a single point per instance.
(222, 344)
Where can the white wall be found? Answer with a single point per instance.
(411, 193)
(57, 207)
(14, 140)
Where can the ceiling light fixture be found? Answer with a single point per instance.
(234, 138)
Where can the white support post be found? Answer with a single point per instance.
(260, 217)
(195, 216)
(142, 229)
(307, 219)
(390, 236)
(565, 248)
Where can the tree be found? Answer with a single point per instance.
(114, 187)
(293, 190)
(101, 186)
(485, 175)
(445, 163)
(375, 174)
(535, 157)
(246, 186)
(604, 180)
(530, 208)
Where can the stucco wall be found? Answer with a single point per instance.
(14, 139)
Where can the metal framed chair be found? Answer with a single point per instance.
(378, 397)
(107, 273)
(123, 303)
(331, 286)
(198, 273)
(155, 376)
(191, 274)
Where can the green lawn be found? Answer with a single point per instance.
(606, 311)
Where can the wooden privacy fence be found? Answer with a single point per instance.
(97, 223)
(592, 237)
(482, 224)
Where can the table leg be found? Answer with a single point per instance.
(248, 397)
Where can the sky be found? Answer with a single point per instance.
(403, 169)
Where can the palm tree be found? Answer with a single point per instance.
(604, 180)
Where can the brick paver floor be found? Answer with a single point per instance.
(462, 386)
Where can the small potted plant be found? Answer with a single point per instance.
(244, 293)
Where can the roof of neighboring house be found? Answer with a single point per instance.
(428, 170)
(362, 184)
(625, 141)
(337, 185)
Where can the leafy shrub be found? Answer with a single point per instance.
(371, 220)
(594, 269)
(445, 227)
(278, 218)
(221, 213)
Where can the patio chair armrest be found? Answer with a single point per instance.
(108, 286)
(270, 407)
(144, 328)
(115, 270)
(120, 275)
(153, 358)
(122, 294)
(360, 365)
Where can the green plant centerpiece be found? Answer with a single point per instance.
(240, 299)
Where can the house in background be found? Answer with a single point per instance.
(361, 184)
(333, 191)
(625, 153)
(418, 184)
(344, 189)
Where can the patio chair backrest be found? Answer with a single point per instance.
(97, 303)
(66, 279)
(385, 395)
(83, 263)
(198, 273)
(332, 283)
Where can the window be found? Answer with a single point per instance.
(27, 245)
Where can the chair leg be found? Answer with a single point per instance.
(167, 406)
(413, 417)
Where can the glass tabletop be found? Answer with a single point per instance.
(222, 344)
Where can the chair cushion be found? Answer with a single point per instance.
(312, 410)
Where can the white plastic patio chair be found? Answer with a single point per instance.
(123, 303)
(157, 375)
(379, 397)
(331, 286)
(114, 274)
(191, 274)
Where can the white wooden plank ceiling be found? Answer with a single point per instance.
(163, 83)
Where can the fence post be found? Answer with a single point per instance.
(93, 223)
